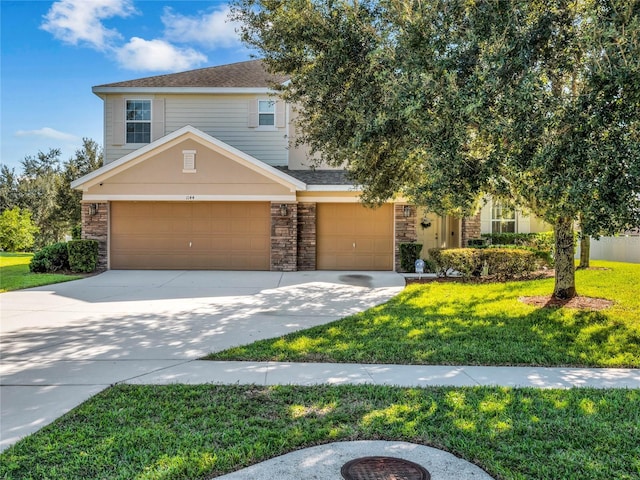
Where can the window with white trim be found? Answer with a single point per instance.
(138, 121)
(266, 113)
(503, 219)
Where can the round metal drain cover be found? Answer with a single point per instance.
(383, 468)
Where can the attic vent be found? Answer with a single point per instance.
(189, 161)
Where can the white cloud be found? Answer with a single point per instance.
(47, 132)
(157, 55)
(212, 29)
(80, 21)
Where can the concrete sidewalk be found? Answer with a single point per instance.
(284, 373)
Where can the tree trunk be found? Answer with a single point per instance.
(565, 286)
(585, 251)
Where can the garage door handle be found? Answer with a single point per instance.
(189, 244)
(354, 244)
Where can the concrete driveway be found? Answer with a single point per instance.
(63, 343)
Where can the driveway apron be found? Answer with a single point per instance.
(63, 343)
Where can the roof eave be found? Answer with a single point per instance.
(184, 90)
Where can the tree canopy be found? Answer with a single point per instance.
(43, 190)
(534, 102)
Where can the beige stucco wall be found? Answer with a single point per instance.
(162, 174)
(299, 157)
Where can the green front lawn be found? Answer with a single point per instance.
(476, 324)
(193, 432)
(15, 274)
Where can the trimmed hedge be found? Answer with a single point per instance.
(83, 255)
(51, 258)
(76, 256)
(409, 253)
(500, 263)
(539, 241)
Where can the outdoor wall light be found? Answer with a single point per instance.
(93, 209)
(284, 210)
(407, 211)
(425, 223)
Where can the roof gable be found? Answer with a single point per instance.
(149, 151)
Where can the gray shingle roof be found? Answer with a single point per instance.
(319, 177)
(250, 74)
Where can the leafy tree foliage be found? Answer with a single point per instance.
(43, 189)
(533, 102)
(37, 190)
(16, 230)
(86, 160)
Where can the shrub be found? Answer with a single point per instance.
(477, 242)
(409, 253)
(83, 255)
(508, 263)
(76, 232)
(16, 230)
(539, 241)
(430, 266)
(543, 257)
(51, 258)
(501, 263)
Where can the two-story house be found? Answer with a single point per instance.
(200, 172)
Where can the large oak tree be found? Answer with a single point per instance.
(536, 103)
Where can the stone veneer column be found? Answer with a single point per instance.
(96, 227)
(307, 236)
(405, 228)
(470, 229)
(284, 238)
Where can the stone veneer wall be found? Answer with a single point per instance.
(284, 238)
(307, 236)
(405, 229)
(470, 229)
(96, 227)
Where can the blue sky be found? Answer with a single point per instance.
(53, 52)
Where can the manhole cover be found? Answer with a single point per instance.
(383, 468)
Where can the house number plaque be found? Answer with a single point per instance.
(191, 197)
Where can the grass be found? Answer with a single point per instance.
(195, 432)
(15, 274)
(476, 324)
(198, 432)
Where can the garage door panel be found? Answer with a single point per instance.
(190, 235)
(353, 237)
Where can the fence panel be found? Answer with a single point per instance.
(616, 249)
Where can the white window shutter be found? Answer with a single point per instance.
(281, 114)
(157, 118)
(117, 121)
(252, 121)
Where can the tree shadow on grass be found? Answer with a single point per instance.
(459, 326)
(202, 431)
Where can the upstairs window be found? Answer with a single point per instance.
(138, 115)
(266, 113)
(503, 219)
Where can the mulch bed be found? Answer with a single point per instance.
(489, 279)
(583, 303)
